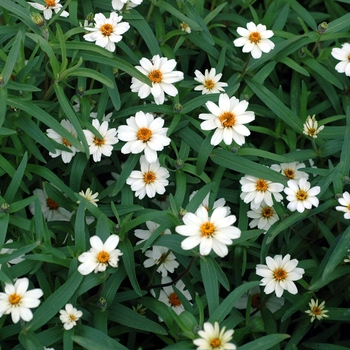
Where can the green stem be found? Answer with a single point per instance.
(246, 66)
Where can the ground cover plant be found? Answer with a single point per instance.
(174, 174)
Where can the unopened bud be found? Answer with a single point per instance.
(37, 19)
(102, 304)
(179, 164)
(338, 195)
(322, 27)
(346, 179)
(4, 208)
(177, 108)
(80, 91)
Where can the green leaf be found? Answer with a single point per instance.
(264, 343)
(93, 74)
(303, 13)
(323, 346)
(298, 303)
(3, 103)
(295, 66)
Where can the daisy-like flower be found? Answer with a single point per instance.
(316, 311)
(215, 232)
(212, 338)
(291, 170)
(104, 146)
(9, 251)
(160, 71)
(185, 27)
(100, 255)
(92, 198)
(345, 205)
(144, 133)
(107, 31)
(263, 217)
(209, 82)
(51, 5)
(347, 260)
(125, 4)
(279, 274)
(145, 234)
(105, 118)
(343, 55)
(162, 201)
(301, 196)
(160, 255)
(51, 210)
(311, 127)
(150, 180)
(18, 300)
(255, 191)
(228, 118)
(254, 39)
(205, 203)
(52, 134)
(70, 316)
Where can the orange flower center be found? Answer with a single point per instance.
(215, 342)
(289, 173)
(65, 142)
(144, 134)
(261, 185)
(207, 229)
(349, 57)
(103, 257)
(256, 300)
(149, 177)
(255, 37)
(280, 274)
(209, 84)
(155, 76)
(72, 317)
(106, 29)
(316, 311)
(227, 119)
(267, 212)
(98, 142)
(174, 299)
(14, 299)
(184, 26)
(311, 131)
(301, 195)
(50, 3)
(348, 207)
(52, 204)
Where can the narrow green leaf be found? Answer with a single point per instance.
(198, 198)
(212, 14)
(264, 343)
(323, 346)
(297, 304)
(345, 154)
(303, 13)
(60, 37)
(3, 103)
(79, 229)
(113, 92)
(295, 66)
(102, 227)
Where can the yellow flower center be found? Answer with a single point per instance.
(149, 177)
(106, 29)
(261, 185)
(316, 311)
(349, 57)
(52, 204)
(14, 299)
(50, 3)
(144, 134)
(280, 274)
(348, 207)
(65, 142)
(103, 257)
(207, 229)
(98, 142)
(227, 119)
(215, 342)
(72, 318)
(256, 300)
(255, 37)
(184, 26)
(289, 173)
(311, 131)
(209, 84)
(267, 212)
(301, 195)
(174, 299)
(155, 76)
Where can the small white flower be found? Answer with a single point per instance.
(119, 4)
(316, 311)
(263, 217)
(150, 180)
(209, 82)
(105, 118)
(205, 203)
(254, 39)
(347, 260)
(52, 134)
(255, 191)
(18, 300)
(311, 127)
(215, 232)
(92, 198)
(301, 196)
(160, 254)
(100, 255)
(104, 146)
(144, 133)
(160, 71)
(107, 31)
(291, 170)
(279, 274)
(185, 27)
(345, 205)
(343, 55)
(212, 338)
(70, 316)
(145, 234)
(50, 5)
(228, 118)
(162, 201)
(10, 251)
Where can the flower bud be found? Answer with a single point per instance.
(177, 108)
(322, 27)
(37, 19)
(4, 208)
(179, 164)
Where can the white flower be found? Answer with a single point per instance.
(51, 210)
(100, 255)
(205, 203)
(144, 133)
(150, 180)
(70, 316)
(255, 191)
(228, 118)
(347, 260)
(160, 254)
(17, 300)
(185, 27)
(162, 201)
(107, 31)
(209, 82)
(345, 205)
(212, 338)
(311, 127)
(105, 118)
(263, 217)
(291, 170)
(301, 196)
(215, 232)
(316, 311)
(92, 198)
(254, 39)
(160, 71)
(50, 5)
(145, 234)
(343, 55)
(104, 146)
(279, 274)
(119, 4)
(52, 134)
(10, 251)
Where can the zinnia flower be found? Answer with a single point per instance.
(145, 234)
(316, 311)
(263, 217)
(209, 82)
(311, 127)
(158, 255)
(125, 4)
(70, 316)
(185, 27)
(343, 55)
(50, 5)
(345, 205)
(92, 198)
(291, 170)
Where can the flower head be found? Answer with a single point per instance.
(254, 39)
(209, 82)
(279, 274)
(345, 205)
(92, 198)
(228, 118)
(263, 217)
(185, 27)
(160, 71)
(100, 255)
(10, 251)
(291, 170)
(205, 203)
(98, 146)
(70, 316)
(161, 255)
(18, 300)
(316, 311)
(212, 338)
(215, 232)
(107, 31)
(343, 55)
(301, 196)
(125, 4)
(311, 127)
(144, 133)
(145, 234)
(51, 5)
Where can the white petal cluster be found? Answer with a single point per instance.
(209, 82)
(263, 217)
(344, 206)
(120, 5)
(317, 311)
(291, 170)
(185, 27)
(343, 55)
(159, 255)
(89, 196)
(145, 234)
(205, 203)
(51, 5)
(311, 127)
(69, 316)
